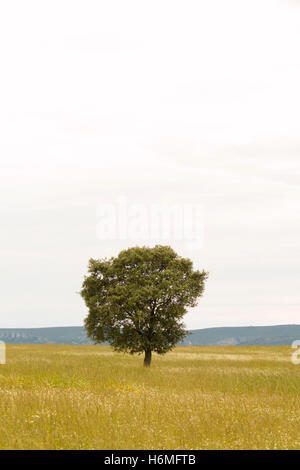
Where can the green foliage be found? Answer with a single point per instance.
(137, 300)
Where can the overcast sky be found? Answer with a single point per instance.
(161, 102)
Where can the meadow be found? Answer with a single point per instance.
(88, 397)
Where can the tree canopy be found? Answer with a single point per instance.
(137, 300)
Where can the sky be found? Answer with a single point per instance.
(168, 103)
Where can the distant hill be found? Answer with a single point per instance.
(55, 335)
(245, 335)
(231, 336)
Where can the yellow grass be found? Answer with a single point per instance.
(87, 397)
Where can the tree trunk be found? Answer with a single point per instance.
(147, 360)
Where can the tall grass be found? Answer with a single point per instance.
(87, 397)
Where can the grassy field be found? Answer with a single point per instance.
(87, 397)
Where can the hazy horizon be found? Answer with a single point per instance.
(196, 103)
(212, 327)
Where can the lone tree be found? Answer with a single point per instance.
(137, 300)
